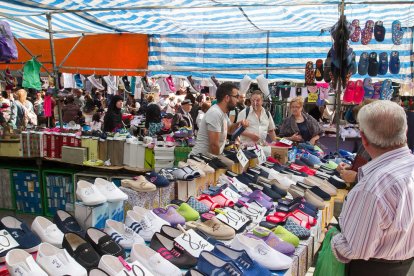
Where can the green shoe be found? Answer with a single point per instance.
(331, 165)
(186, 211)
(286, 236)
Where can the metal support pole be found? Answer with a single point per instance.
(30, 53)
(267, 54)
(55, 69)
(71, 50)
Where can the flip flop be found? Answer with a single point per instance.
(359, 92)
(373, 65)
(394, 62)
(383, 64)
(368, 88)
(386, 90)
(363, 64)
(319, 70)
(356, 34)
(379, 31)
(309, 73)
(366, 34)
(349, 92)
(397, 32)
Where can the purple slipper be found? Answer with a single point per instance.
(259, 233)
(170, 215)
(257, 196)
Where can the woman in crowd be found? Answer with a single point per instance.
(204, 107)
(300, 126)
(88, 108)
(153, 123)
(70, 110)
(25, 108)
(113, 117)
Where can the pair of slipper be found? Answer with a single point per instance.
(298, 216)
(354, 92)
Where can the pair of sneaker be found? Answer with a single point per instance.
(50, 260)
(144, 222)
(98, 193)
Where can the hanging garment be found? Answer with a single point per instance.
(31, 77)
(111, 81)
(95, 82)
(67, 80)
(47, 106)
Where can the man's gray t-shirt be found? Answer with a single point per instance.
(214, 120)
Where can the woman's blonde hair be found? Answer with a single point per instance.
(21, 95)
(298, 100)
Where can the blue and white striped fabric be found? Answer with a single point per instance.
(220, 37)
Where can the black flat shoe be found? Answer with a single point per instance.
(103, 243)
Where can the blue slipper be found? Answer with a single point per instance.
(368, 88)
(383, 64)
(395, 62)
(397, 32)
(379, 31)
(363, 64)
(386, 90)
(373, 65)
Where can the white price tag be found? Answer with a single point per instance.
(286, 141)
(193, 243)
(230, 194)
(233, 218)
(261, 157)
(242, 158)
(254, 211)
(7, 241)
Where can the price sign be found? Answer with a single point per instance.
(7, 241)
(312, 97)
(193, 243)
(242, 158)
(254, 211)
(261, 157)
(233, 218)
(286, 141)
(230, 194)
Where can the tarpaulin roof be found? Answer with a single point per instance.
(190, 16)
(189, 36)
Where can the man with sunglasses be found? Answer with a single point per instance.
(212, 133)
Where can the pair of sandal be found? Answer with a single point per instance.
(298, 216)
(216, 201)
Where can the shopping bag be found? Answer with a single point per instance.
(327, 264)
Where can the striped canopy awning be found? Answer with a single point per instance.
(222, 37)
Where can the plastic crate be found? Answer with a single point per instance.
(58, 190)
(181, 154)
(27, 189)
(7, 200)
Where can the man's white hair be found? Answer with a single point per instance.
(384, 124)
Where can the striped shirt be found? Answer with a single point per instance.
(377, 219)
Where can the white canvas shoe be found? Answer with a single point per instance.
(89, 193)
(110, 190)
(57, 261)
(151, 216)
(47, 231)
(259, 251)
(113, 266)
(153, 261)
(143, 224)
(21, 263)
(121, 234)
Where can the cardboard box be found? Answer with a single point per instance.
(167, 194)
(185, 189)
(10, 148)
(280, 153)
(116, 211)
(74, 155)
(217, 174)
(149, 200)
(91, 216)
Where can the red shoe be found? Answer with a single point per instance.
(222, 200)
(273, 160)
(207, 200)
(277, 217)
(300, 221)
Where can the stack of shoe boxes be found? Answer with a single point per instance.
(28, 191)
(6, 198)
(59, 193)
(164, 157)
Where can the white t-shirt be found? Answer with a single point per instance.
(257, 125)
(214, 120)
